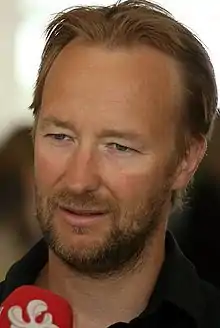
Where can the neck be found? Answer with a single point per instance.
(96, 302)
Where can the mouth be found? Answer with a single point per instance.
(83, 212)
(79, 217)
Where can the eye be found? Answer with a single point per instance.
(121, 148)
(58, 136)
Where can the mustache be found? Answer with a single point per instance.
(87, 201)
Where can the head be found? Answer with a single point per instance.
(124, 103)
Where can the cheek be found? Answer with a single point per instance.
(130, 184)
(49, 167)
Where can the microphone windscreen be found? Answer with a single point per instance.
(33, 307)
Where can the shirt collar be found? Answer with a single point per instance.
(26, 270)
(178, 283)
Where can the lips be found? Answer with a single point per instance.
(81, 218)
(84, 212)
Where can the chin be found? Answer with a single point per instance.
(81, 239)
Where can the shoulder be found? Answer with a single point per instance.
(1, 290)
(211, 298)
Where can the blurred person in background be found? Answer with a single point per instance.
(197, 227)
(18, 230)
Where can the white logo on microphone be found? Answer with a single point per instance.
(34, 309)
(1, 309)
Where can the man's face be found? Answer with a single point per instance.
(104, 145)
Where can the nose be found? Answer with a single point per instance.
(82, 172)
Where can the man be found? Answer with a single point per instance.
(123, 105)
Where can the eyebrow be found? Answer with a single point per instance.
(126, 135)
(51, 120)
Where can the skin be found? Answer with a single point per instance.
(84, 158)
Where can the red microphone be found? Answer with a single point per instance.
(33, 307)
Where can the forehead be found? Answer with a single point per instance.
(138, 83)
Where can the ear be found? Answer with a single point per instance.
(189, 164)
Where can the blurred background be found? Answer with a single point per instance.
(22, 24)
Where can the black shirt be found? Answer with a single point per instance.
(180, 298)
